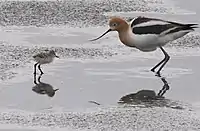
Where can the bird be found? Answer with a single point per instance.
(147, 34)
(43, 58)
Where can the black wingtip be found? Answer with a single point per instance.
(192, 25)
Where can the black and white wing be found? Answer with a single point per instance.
(40, 55)
(143, 25)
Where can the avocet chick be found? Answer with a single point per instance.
(43, 58)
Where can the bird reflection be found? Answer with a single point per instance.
(43, 88)
(147, 96)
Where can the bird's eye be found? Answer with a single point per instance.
(114, 24)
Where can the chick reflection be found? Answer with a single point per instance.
(43, 88)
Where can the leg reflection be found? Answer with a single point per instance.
(34, 79)
(165, 86)
(40, 76)
(146, 95)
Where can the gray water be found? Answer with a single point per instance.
(102, 72)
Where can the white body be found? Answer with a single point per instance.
(150, 42)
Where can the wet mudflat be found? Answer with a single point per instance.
(93, 76)
(103, 82)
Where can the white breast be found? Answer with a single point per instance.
(147, 42)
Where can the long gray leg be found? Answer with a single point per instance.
(35, 82)
(40, 78)
(35, 66)
(167, 57)
(41, 72)
(163, 62)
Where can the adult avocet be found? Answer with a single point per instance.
(148, 34)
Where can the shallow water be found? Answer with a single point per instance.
(101, 78)
(102, 82)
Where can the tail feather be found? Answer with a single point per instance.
(185, 27)
(188, 25)
(191, 26)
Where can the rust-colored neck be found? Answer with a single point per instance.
(123, 33)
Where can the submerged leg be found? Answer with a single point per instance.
(34, 81)
(35, 66)
(163, 62)
(41, 72)
(40, 78)
(165, 87)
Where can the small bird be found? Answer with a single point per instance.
(43, 58)
(148, 34)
